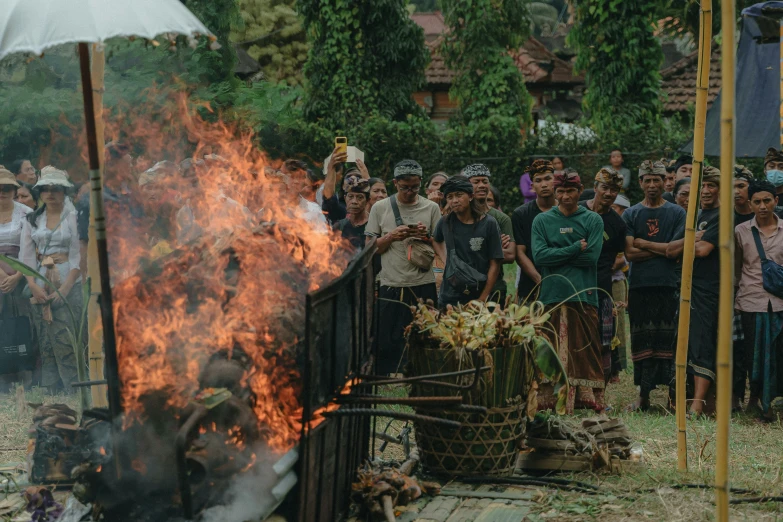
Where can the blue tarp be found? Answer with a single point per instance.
(757, 123)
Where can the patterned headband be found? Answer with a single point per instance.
(476, 170)
(610, 177)
(407, 168)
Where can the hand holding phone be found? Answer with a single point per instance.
(341, 144)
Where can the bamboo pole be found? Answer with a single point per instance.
(702, 88)
(96, 208)
(99, 399)
(780, 47)
(726, 307)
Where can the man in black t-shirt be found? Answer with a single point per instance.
(703, 333)
(352, 226)
(653, 284)
(607, 186)
(542, 178)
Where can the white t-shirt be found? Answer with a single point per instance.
(397, 270)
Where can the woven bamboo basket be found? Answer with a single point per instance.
(484, 444)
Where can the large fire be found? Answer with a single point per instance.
(235, 281)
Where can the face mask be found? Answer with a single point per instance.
(775, 177)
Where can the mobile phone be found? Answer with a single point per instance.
(413, 226)
(341, 144)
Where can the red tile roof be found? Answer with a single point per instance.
(537, 63)
(678, 81)
(433, 24)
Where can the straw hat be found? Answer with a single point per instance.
(53, 176)
(6, 178)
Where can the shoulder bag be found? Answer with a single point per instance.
(420, 254)
(462, 277)
(771, 272)
(17, 350)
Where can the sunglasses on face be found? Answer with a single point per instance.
(53, 190)
(7, 188)
(403, 188)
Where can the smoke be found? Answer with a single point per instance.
(250, 496)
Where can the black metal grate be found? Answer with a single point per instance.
(339, 322)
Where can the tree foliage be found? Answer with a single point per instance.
(273, 34)
(365, 58)
(482, 38)
(621, 61)
(214, 68)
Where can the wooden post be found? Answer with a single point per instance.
(780, 47)
(726, 242)
(94, 328)
(702, 89)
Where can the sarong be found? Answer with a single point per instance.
(606, 320)
(764, 349)
(58, 358)
(576, 339)
(620, 352)
(703, 335)
(653, 316)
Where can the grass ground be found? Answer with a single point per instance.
(756, 463)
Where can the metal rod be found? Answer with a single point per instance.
(688, 254)
(380, 380)
(461, 408)
(107, 309)
(366, 412)
(88, 383)
(726, 246)
(379, 399)
(182, 467)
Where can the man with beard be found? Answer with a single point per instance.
(703, 332)
(653, 296)
(607, 187)
(542, 177)
(478, 174)
(353, 225)
(567, 245)
(402, 281)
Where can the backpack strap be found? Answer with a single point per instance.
(759, 246)
(396, 210)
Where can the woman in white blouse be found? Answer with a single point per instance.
(50, 243)
(12, 303)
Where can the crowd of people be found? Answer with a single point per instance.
(601, 265)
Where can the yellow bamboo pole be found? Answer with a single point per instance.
(94, 327)
(726, 307)
(702, 89)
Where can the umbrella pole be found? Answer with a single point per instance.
(726, 304)
(93, 272)
(702, 87)
(96, 201)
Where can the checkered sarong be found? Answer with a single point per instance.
(737, 334)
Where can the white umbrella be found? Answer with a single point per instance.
(36, 25)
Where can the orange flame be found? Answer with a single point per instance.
(318, 417)
(176, 310)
